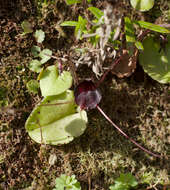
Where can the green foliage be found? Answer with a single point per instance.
(96, 12)
(67, 183)
(51, 83)
(35, 50)
(156, 61)
(153, 27)
(147, 177)
(39, 36)
(33, 86)
(139, 45)
(71, 2)
(35, 65)
(26, 26)
(55, 119)
(130, 34)
(124, 182)
(42, 55)
(129, 30)
(45, 55)
(142, 5)
(80, 26)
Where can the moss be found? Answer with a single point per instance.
(139, 105)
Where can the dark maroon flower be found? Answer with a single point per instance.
(86, 95)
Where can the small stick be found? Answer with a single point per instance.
(104, 75)
(164, 25)
(125, 135)
(52, 56)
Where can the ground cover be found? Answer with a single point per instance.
(137, 103)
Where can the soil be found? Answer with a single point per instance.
(138, 104)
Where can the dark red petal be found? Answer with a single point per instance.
(86, 95)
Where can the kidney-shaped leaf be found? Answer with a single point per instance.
(26, 26)
(51, 83)
(35, 65)
(35, 50)
(55, 121)
(39, 36)
(142, 5)
(156, 61)
(62, 131)
(33, 86)
(45, 55)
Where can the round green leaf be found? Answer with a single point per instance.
(45, 55)
(51, 83)
(56, 122)
(39, 36)
(35, 50)
(142, 5)
(156, 61)
(33, 86)
(65, 182)
(48, 113)
(35, 65)
(60, 132)
(26, 26)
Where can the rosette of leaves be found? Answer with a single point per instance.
(65, 182)
(56, 120)
(155, 59)
(124, 182)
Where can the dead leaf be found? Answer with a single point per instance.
(126, 65)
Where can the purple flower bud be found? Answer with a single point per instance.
(86, 95)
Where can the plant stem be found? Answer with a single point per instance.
(111, 68)
(125, 135)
